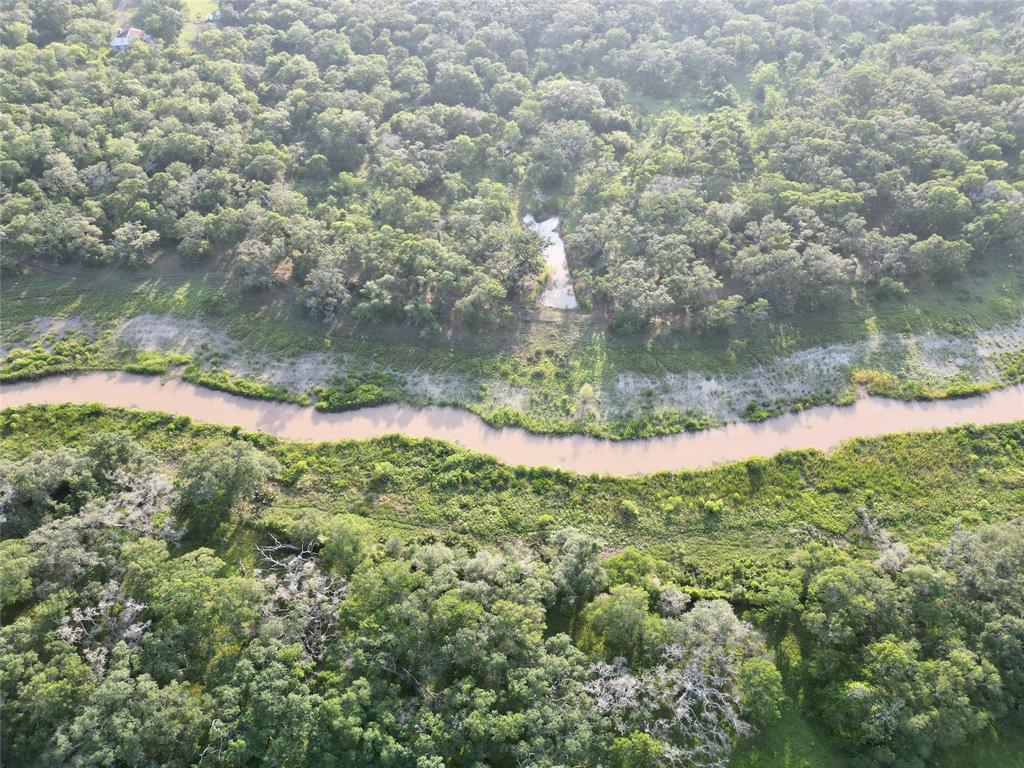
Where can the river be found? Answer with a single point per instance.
(559, 293)
(823, 427)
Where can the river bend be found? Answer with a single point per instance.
(823, 427)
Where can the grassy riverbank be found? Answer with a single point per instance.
(715, 530)
(547, 371)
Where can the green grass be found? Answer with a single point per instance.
(547, 357)
(200, 7)
(194, 8)
(886, 384)
(795, 742)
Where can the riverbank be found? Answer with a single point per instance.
(549, 371)
(821, 428)
(722, 527)
(621, 403)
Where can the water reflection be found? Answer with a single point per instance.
(559, 293)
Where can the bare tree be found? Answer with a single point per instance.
(96, 629)
(142, 504)
(689, 701)
(673, 602)
(69, 546)
(893, 554)
(304, 598)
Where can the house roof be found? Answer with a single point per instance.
(123, 39)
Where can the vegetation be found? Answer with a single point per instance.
(75, 352)
(358, 392)
(715, 525)
(263, 602)
(766, 205)
(721, 163)
(240, 385)
(528, 373)
(740, 182)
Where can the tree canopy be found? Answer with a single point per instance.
(714, 161)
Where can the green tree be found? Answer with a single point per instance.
(50, 19)
(132, 242)
(164, 724)
(576, 570)
(214, 480)
(944, 259)
(637, 750)
(162, 18)
(342, 136)
(761, 693)
(618, 623)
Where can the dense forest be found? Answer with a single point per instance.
(718, 162)
(161, 606)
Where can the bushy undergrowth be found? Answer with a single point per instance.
(922, 486)
(881, 383)
(359, 392)
(76, 352)
(240, 385)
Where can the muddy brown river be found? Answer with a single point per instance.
(821, 428)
